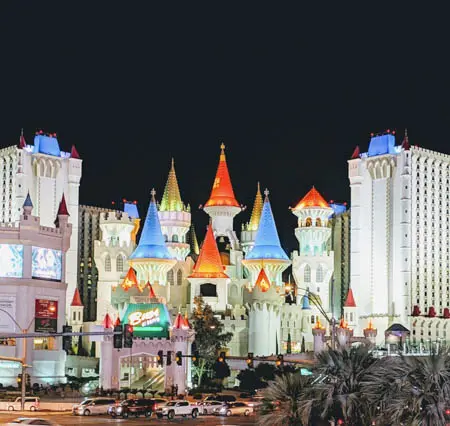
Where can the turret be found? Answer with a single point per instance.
(313, 265)
(350, 314)
(76, 312)
(318, 332)
(62, 217)
(370, 333)
(175, 218)
(151, 259)
(208, 278)
(27, 206)
(250, 229)
(222, 205)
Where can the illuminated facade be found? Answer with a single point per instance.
(33, 292)
(46, 172)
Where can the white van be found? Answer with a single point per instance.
(31, 403)
(93, 406)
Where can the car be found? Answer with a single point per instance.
(209, 407)
(220, 398)
(31, 403)
(30, 421)
(257, 403)
(177, 408)
(234, 409)
(136, 407)
(93, 406)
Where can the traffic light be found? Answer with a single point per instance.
(19, 378)
(280, 361)
(160, 358)
(67, 340)
(195, 358)
(179, 358)
(250, 360)
(118, 338)
(28, 380)
(169, 358)
(222, 357)
(128, 336)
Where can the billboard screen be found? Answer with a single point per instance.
(11, 260)
(46, 316)
(46, 263)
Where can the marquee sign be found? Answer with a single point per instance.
(142, 319)
(149, 320)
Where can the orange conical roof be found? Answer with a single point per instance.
(312, 199)
(222, 193)
(180, 322)
(130, 280)
(117, 322)
(350, 301)
(209, 263)
(76, 301)
(262, 282)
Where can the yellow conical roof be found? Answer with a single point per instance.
(171, 200)
(256, 212)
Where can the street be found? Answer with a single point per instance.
(69, 419)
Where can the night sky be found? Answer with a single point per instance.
(291, 91)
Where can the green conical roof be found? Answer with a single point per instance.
(171, 200)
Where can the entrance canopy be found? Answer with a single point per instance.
(149, 320)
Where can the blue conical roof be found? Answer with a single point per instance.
(152, 244)
(28, 202)
(267, 243)
(305, 302)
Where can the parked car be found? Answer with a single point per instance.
(234, 409)
(136, 407)
(31, 403)
(93, 406)
(30, 421)
(257, 403)
(220, 398)
(209, 407)
(177, 408)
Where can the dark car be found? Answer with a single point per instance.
(220, 398)
(133, 407)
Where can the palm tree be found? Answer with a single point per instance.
(412, 390)
(340, 394)
(285, 393)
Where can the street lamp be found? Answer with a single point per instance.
(24, 355)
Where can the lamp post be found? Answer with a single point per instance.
(24, 355)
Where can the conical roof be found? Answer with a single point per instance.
(312, 199)
(28, 202)
(305, 302)
(350, 301)
(209, 263)
(130, 280)
(151, 244)
(22, 142)
(62, 209)
(151, 292)
(180, 322)
(76, 301)
(171, 200)
(193, 242)
(256, 212)
(262, 282)
(267, 243)
(222, 193)
(107, 322)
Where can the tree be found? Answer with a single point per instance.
(285, 393)
(265, 371)
(209, 336)
(249, 380)
(221, 371)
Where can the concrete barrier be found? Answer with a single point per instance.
(50, 406)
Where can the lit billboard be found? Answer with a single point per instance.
(46, 263)
(11, 260)
(151, 320)
(46, 316)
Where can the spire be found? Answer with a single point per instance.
(117, 322)
(76, 301)
(193, 242)
(267, 243)
(107, 322)
(356, 153)
(256, 212)
(350, 301)
(222, 193)
(209, 263)
(152, 244)
(312, 199)
(151, 292)
(27, 205)
(62, 210)
(74, 153)
(22, 142)
(180, 323)
(171, 200)
(405, 144)
(262, 282)
(130, 280)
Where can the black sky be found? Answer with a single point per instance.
(291, 90)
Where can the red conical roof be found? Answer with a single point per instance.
(356, 153)
(117, 322)
(262, 281)
(76, 301)
(180, 323)
(151, 292)
(350, 301)
(405, 144)
(222, 193)
(209, 263)
(62, 210)
(130, 280)
(312, 199)
(22, 142)
(107, 322)
(74, 153)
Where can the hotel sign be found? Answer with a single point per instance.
(144, 319)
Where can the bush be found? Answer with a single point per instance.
(198, 396)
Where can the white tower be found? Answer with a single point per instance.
(313, 265)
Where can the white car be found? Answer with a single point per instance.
(177, 408)
(93, 406)
(209, 407)
(234, 409)
(31, 403)
(30, 421)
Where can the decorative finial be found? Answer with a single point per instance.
(173, 163)
(153, 193)
(222, 147)
(258, 187)
(21, 131)
(406, 133)
(266, 193)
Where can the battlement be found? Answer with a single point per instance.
(9, 151)
(107, 244)
(173, 216)
(115, 216)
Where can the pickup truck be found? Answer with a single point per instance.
(177, 408)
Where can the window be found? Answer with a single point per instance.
(108, 263)
(175, 238)
(308, 221)
(319, 274)
(179, 277)
(119, 263)
(45, 344)
(170, 278)
(74, 316)
(318, 222)
(312, 319)
(307, 274)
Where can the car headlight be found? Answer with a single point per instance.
(119, 409)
